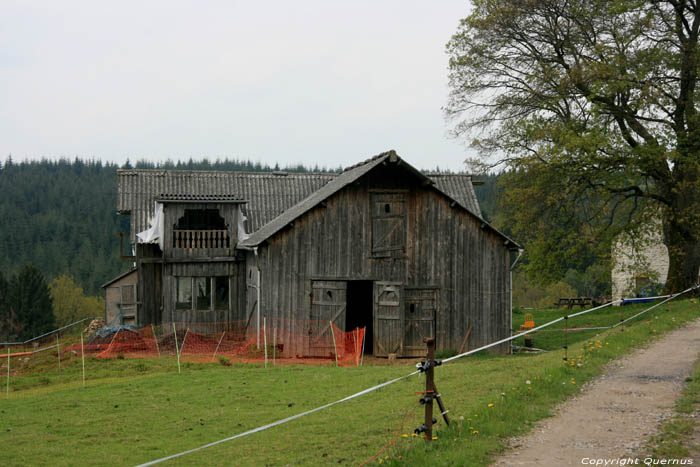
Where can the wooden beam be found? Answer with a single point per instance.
(466, 338)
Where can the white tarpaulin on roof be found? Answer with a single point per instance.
(154, 234)
(242, 235)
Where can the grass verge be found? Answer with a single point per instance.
(134, 411)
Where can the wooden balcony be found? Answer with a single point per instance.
(201, 239)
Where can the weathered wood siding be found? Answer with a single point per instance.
(150, 284)
(446, 248)
(209, 319)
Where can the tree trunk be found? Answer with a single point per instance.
(683, 254)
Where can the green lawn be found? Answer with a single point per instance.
(134, 411)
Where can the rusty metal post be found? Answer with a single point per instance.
(429, 388)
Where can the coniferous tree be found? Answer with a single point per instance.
(30, 300)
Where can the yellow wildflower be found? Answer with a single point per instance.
(490, 404)
(404, 435)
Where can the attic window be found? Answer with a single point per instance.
(388, 212)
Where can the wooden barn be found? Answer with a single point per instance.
(380, 245)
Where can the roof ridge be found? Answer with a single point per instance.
(221, 172)
(390, 152)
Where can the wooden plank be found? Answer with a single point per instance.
(466, 338)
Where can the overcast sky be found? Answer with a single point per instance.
(310, 81)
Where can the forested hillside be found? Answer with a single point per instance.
(61, 216)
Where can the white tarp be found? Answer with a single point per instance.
(155, 231)
(241, 225)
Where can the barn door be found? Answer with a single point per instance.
(419, 318)
(388, 319)
(328, 303)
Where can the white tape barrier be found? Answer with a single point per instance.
(46, 334)
(670, 297)
(281, 422)
(387, 383)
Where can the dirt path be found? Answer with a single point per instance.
(615, 414)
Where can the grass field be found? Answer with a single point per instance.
(134, 411)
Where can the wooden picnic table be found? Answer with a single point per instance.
(571, 302)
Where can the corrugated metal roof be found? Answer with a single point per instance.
(274, 198)
(268, 194)
(459, 187)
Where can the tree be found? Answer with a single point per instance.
(70, 304)
(598, 96)
(28, 298)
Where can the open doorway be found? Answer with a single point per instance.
(359, 311)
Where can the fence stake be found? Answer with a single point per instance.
(217, 346)
(82, 355)
(274, 345)
(7, 391)
(155, 339)
(429, 391)
(265, 339)
(335, 348)
(182, 347)
(362, 354)
(177, 351)
(58, 352)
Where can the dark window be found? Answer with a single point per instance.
(203, 287)
(202, 293)
(201, 219)
(221, 288)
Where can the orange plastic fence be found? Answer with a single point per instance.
(302, 341)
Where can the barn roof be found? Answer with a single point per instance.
(462, 193)
(274, 199)
(119, 277)
(268, 194)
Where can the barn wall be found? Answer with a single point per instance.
(233, 270)
(447, 249)
(150, 283)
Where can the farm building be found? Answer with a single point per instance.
(120, 299)
(380, 245)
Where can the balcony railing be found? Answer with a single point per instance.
(201, 239)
